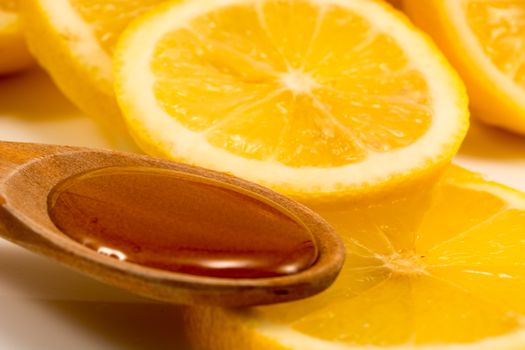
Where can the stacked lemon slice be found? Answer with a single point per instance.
(74, 41)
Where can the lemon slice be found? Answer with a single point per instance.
(485, 40)
(14, 55)
(73, 40)
(307, 97)
(441, 269)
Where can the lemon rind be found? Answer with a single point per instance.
(294, 340)
(83, 42)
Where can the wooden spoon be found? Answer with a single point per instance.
(30, 172)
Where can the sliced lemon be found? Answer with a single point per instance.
(485, 41)
(73, 40)
(14, 55)
(442, 269)
(308, 97)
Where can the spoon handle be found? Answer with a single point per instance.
(14, 154)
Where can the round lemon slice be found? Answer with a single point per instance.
(307, 97)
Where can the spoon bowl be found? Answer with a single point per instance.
(30, 172)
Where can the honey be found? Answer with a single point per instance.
(175, 221)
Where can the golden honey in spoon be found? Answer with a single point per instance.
(180, 222)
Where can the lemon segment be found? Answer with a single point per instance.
(455, 280)
(305, 96)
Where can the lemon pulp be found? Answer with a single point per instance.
(306, 93)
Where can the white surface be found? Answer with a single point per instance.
(46, 306)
